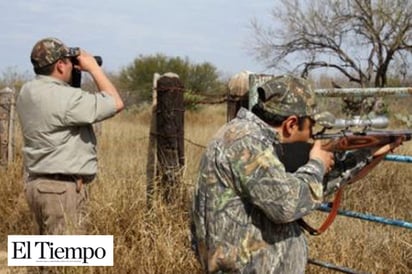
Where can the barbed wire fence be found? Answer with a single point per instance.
(165, 157)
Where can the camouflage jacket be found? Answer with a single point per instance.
(245, 205)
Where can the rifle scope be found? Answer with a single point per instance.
(357, 121)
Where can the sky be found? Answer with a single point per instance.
(215, 31)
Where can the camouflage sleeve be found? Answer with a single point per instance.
(261, 178)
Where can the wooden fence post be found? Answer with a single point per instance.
(166, 149)
(151, 171)
(238, 93)
(7, 104)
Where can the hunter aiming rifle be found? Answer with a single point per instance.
(76, 73)
(356, 153)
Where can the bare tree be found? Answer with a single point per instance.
(358, 38)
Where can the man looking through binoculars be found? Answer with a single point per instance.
(59, 143)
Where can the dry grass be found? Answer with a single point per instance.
(157, 240)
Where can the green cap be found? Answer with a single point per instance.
(49, 50)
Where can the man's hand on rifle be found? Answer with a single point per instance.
(363, 166)
(326, 157)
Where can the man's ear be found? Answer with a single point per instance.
(289, 125)
(58, 66)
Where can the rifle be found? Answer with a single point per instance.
(356, 153)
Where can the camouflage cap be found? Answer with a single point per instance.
(288, 95)
(49, 50)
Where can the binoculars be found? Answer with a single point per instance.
(76, 73)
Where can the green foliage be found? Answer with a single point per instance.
(191, 100)
(138, 77)
(204, 78)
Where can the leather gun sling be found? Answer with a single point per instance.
(329, 220)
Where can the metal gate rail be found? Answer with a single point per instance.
(326, 207)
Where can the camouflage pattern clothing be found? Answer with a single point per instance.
(245, 205)
(287, 95)
(47, 51)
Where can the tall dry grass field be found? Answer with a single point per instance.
(157, 240)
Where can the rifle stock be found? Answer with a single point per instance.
(348, 147)
(356, 154)
(348, 140)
